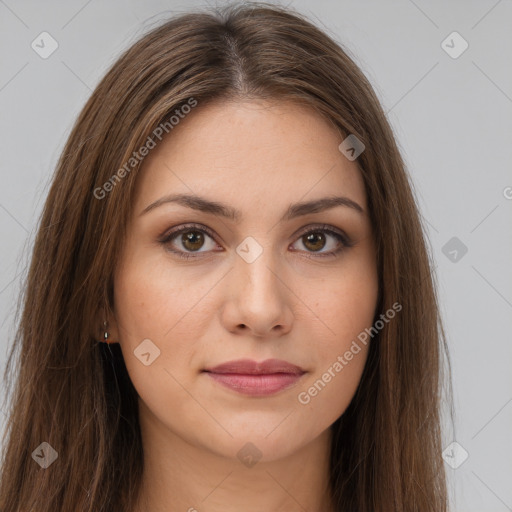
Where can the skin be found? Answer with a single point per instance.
(290, 303)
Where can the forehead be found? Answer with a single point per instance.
(251, 153)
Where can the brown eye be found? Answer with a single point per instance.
(187, 240)
(192, 240)
(315, 241)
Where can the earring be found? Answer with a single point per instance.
(106, 334)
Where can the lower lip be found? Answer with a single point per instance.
(256, 385)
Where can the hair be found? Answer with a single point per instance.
(75, 393)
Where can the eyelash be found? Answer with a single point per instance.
(170, 235)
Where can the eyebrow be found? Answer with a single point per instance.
(221, 210)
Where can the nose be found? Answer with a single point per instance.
(258, 298)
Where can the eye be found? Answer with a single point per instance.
(194, 236)
(317, 239)
(192, 239)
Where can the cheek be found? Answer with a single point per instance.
(155, 302)
(153, 298)
(339, 363)
(344, 307)
(328, 393)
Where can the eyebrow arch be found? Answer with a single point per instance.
(221, 210)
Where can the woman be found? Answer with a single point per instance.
(230, 303)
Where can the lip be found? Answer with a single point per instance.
(256, 378)
(250, 367)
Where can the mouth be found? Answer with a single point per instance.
(256, 379)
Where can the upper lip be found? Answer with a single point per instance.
(250, 367)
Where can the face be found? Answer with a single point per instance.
(243, 273)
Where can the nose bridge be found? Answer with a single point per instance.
(259, 294)
(255, 266)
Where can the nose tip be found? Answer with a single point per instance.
(258, 300)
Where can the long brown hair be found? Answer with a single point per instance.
(75, 393)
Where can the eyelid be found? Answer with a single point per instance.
(169, 233)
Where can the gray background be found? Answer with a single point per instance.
(452, 119)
